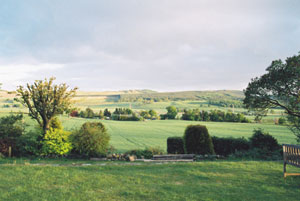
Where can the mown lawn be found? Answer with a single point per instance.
(207, 180)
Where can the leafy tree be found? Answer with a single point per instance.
(107, 113)
(281, 121)
(279, 87)
(172, 112)
(153, 113)
(89, 113)
(45, 100)
(101, 114)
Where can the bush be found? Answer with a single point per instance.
(28, 144)
(197, 140)
(91, 140)
(227, 146)
(126, 117)
(74, 113)
(175, 145)
(56, 142)
(147, 153)
(282, 121)
(11, 129)
(254, 154)
(263, 140)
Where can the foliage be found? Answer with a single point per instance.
(91, 139)
(197, 140)
(74, 113)
(146, 153)
(55, 123)
(88, 113)
(213, 115)
(279, 87)
(227, 146)
(263, 140)
(228, 95)
(126, 111)
(171, 112)
(45, 100)
(11, 129)
(226, 103)
(282, 121)
(132, 117)
(175, 145)
(28, 144)
(56, 142)
(101, 114)
(124, 114)
(107, 113)
(258, 154)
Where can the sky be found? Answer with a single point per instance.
(163, 45)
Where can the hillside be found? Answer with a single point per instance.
(185, 95)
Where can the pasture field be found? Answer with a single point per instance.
(127, 135)
(205, 180)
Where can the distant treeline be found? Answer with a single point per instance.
(213, 115)
(181, 96)
(126, 114)
(119, 114)
(227, 103)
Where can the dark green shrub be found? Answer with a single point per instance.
(28, 144)
(11, 129)
(282, 121)
(197, 140)
(175, 145)
(255, 154)
(91, 140)
(227, 146)
(263, 140)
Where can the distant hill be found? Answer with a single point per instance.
(233, 95)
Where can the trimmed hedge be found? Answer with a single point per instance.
(263, 140)
(227, 146)
(175, 145)
(197, 140)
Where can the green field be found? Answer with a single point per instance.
(222, 180)
(133, 135)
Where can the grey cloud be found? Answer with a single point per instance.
(162, 45)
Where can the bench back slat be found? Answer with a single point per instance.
(291, 154)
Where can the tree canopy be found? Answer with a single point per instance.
(45, 100)
(279, 87)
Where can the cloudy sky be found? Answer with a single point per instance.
(164, 45)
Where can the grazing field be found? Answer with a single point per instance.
(137, 135)
(207, 180)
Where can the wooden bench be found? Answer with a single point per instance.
(291, 156)
(174, 157)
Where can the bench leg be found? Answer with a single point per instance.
(284, 169)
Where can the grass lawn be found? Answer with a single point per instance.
(207, 180)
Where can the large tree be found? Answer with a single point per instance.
(279, 87)
(45, 100)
